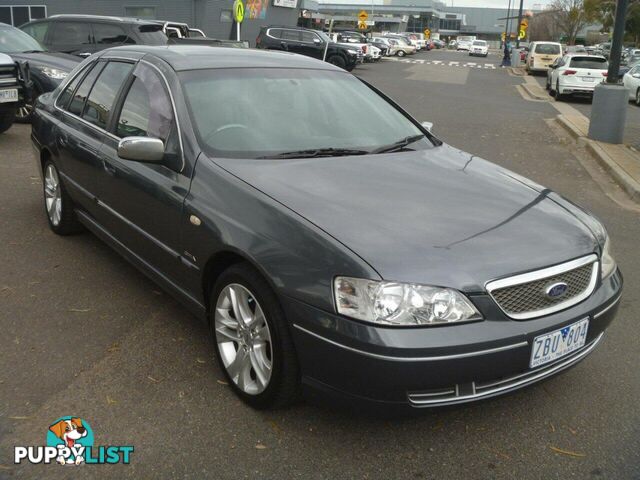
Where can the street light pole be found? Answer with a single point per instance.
(506, 59)
(610, 99)
(518, 25)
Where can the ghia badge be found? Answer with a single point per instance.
(556, 290)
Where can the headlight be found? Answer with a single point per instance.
(607, 261)
(54, 73)
(402, 304)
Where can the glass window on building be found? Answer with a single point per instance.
(17, 15)
(140, 12)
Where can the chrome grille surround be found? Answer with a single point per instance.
(523, 297)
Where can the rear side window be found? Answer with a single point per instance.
(547, 49)
(104, 91)
(589, 62)
(105, 34)
(77, 102)
(274, 32)
(65, 96)
(71, 33)
(291, 35)
(37, 31)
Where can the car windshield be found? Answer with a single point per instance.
(590, 62)
(480, 43)
(548, 49)
(257, 112)
(152, 34)
(13, 40)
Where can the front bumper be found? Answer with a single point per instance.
(432, 366)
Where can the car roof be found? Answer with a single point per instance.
(200, 57)
(98, 18)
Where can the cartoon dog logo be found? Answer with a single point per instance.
(69, 431)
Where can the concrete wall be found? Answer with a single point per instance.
(208, 15)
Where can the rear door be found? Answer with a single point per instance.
(70, 36)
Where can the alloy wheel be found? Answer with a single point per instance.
(52, 195)
(244, 339)
(24, 112)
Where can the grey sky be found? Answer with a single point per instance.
(496, 3)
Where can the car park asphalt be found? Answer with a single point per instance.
(86, 334)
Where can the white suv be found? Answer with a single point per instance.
(479, 47)
(576, 74)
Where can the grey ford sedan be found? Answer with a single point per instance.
(361, 260)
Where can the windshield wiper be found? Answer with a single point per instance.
(316, 152)
(400, 144)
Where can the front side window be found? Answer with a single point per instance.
(249, 113)
(80, 96)
(104, 91)
(147, 109)
(71, 33)
(309, 37)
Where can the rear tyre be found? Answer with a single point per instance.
(57, 203)
(6, 120)
(401, 53)
(638, 97)
(337, 60)
(252, 339)
(557, 95)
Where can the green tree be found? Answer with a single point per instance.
(570, 17)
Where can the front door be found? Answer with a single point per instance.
(143, 201)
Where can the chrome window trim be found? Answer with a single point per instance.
(490, 392)
(109, 134)
(545, 273)
(415, 359)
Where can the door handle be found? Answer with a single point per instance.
(284, 45)
(84, 54)
(62, 140)
(110, 169)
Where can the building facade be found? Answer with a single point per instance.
(215, 17)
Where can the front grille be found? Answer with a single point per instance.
(8, 75)
(525, 296)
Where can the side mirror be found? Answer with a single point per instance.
(636, 75)
(427, 126)
(141, 149)
(317, 41)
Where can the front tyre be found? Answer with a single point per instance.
(338, 61)
(638, 97)
(401, 53)
(6, 120)
(253, 343)
(58, 205)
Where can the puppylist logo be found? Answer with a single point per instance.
(70, 442)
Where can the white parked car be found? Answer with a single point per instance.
(479, 47)
(576, 74)
(631, 81)
(376, 53)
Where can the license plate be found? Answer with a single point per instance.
(551, 346)
(9, 95)
(587, 79)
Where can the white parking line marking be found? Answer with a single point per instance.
(451, 64)
(437, 62)
(488, 66)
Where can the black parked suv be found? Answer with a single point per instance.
(84, 35)
(311, 43)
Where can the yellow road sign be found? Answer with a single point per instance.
(238, 11)
(427, 33)
(522, 34)
(362, 25)
(362, 16)
(524, 23)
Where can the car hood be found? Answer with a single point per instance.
(60, 61)
(439, 216)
